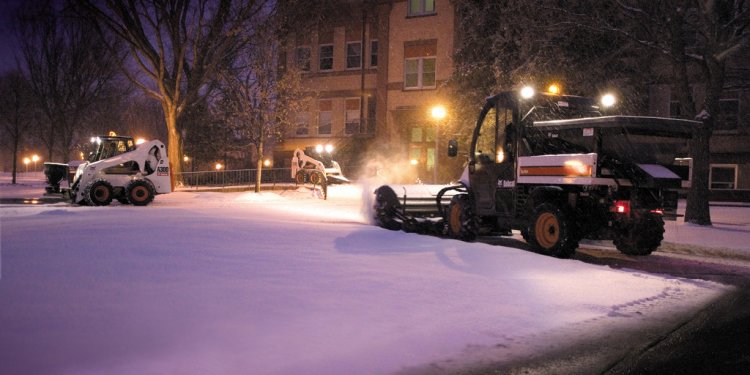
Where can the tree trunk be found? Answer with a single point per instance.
(15, 159)
(258, 175)
(173, 145)
(697, 210)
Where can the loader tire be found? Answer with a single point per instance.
(98, 193)
(642, 236)
(300, 178)
(316, 178)
(140, 192)
(462, 223)
(551, 230)
(385, 206)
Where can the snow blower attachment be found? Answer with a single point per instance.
(116, 169)
(552, 167)
(316, 165)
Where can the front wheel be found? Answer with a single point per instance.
(462, 223)
(98, 193)
(551, 231)
(300, 178)
(642, 236)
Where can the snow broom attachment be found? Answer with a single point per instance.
(420, 208)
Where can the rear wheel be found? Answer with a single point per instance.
(462, 222)
(642, 236)
(385, 206)
(551, 231)
(98, 193)
(140, 192)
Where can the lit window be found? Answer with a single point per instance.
(419, 73)
(421, 7)
(326, 57)
(723, 176)
(353, 55)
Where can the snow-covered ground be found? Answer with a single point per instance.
(287, 283)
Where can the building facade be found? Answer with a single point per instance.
(374, 74)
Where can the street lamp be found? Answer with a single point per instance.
(35, 158)
(26, 162)
(438, 113)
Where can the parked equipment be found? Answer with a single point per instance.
(316, 165)
(116, 169)
(552, 167)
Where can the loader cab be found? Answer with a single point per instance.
(105, 147)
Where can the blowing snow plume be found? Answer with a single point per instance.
(381, 170)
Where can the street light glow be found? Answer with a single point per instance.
(554, 89)
(219, 166)
(439, 112)
(608, 100)
(527, 92)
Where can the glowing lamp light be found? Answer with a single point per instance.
(267, 163)
(554, 89)
(500, 156)
(438, 112)
(26, 161)
(140, 141)
(219, 166)
(413, 162)
(35, 158)
(527, 92)
(608, 100)
(319, 148)
(112, 134)
(329, 148)
(185, 159)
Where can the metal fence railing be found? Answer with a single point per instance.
(237, 177)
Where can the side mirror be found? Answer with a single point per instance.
(452, 148)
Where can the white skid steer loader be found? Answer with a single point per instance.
(119, 169)
(316, 165)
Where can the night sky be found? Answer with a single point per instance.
(8, 44)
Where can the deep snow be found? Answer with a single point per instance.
(287, 283)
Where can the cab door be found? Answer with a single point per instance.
(491, 167)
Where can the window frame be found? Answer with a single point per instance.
(321, 57)
(422, 8)
(420, 73)
(306, 65)
(303, 122)
(359, 56)
(320, 118)
(346, 116)
(724, 166)
(374, 55)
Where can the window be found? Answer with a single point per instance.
(353, 55)
(352, 116)
(723, 176)
(326, 57)
(373, 53)
(302, 58)
(423, 139)
(324, 117)
(421, 7)
(728, 117)
(303, 124)
(675, 110)
(419, 73)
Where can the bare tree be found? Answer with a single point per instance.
(15, 112)
(258, 101)
(69, 71)
(176, 48)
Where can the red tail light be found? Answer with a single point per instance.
(657, 211)
(621, 207)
